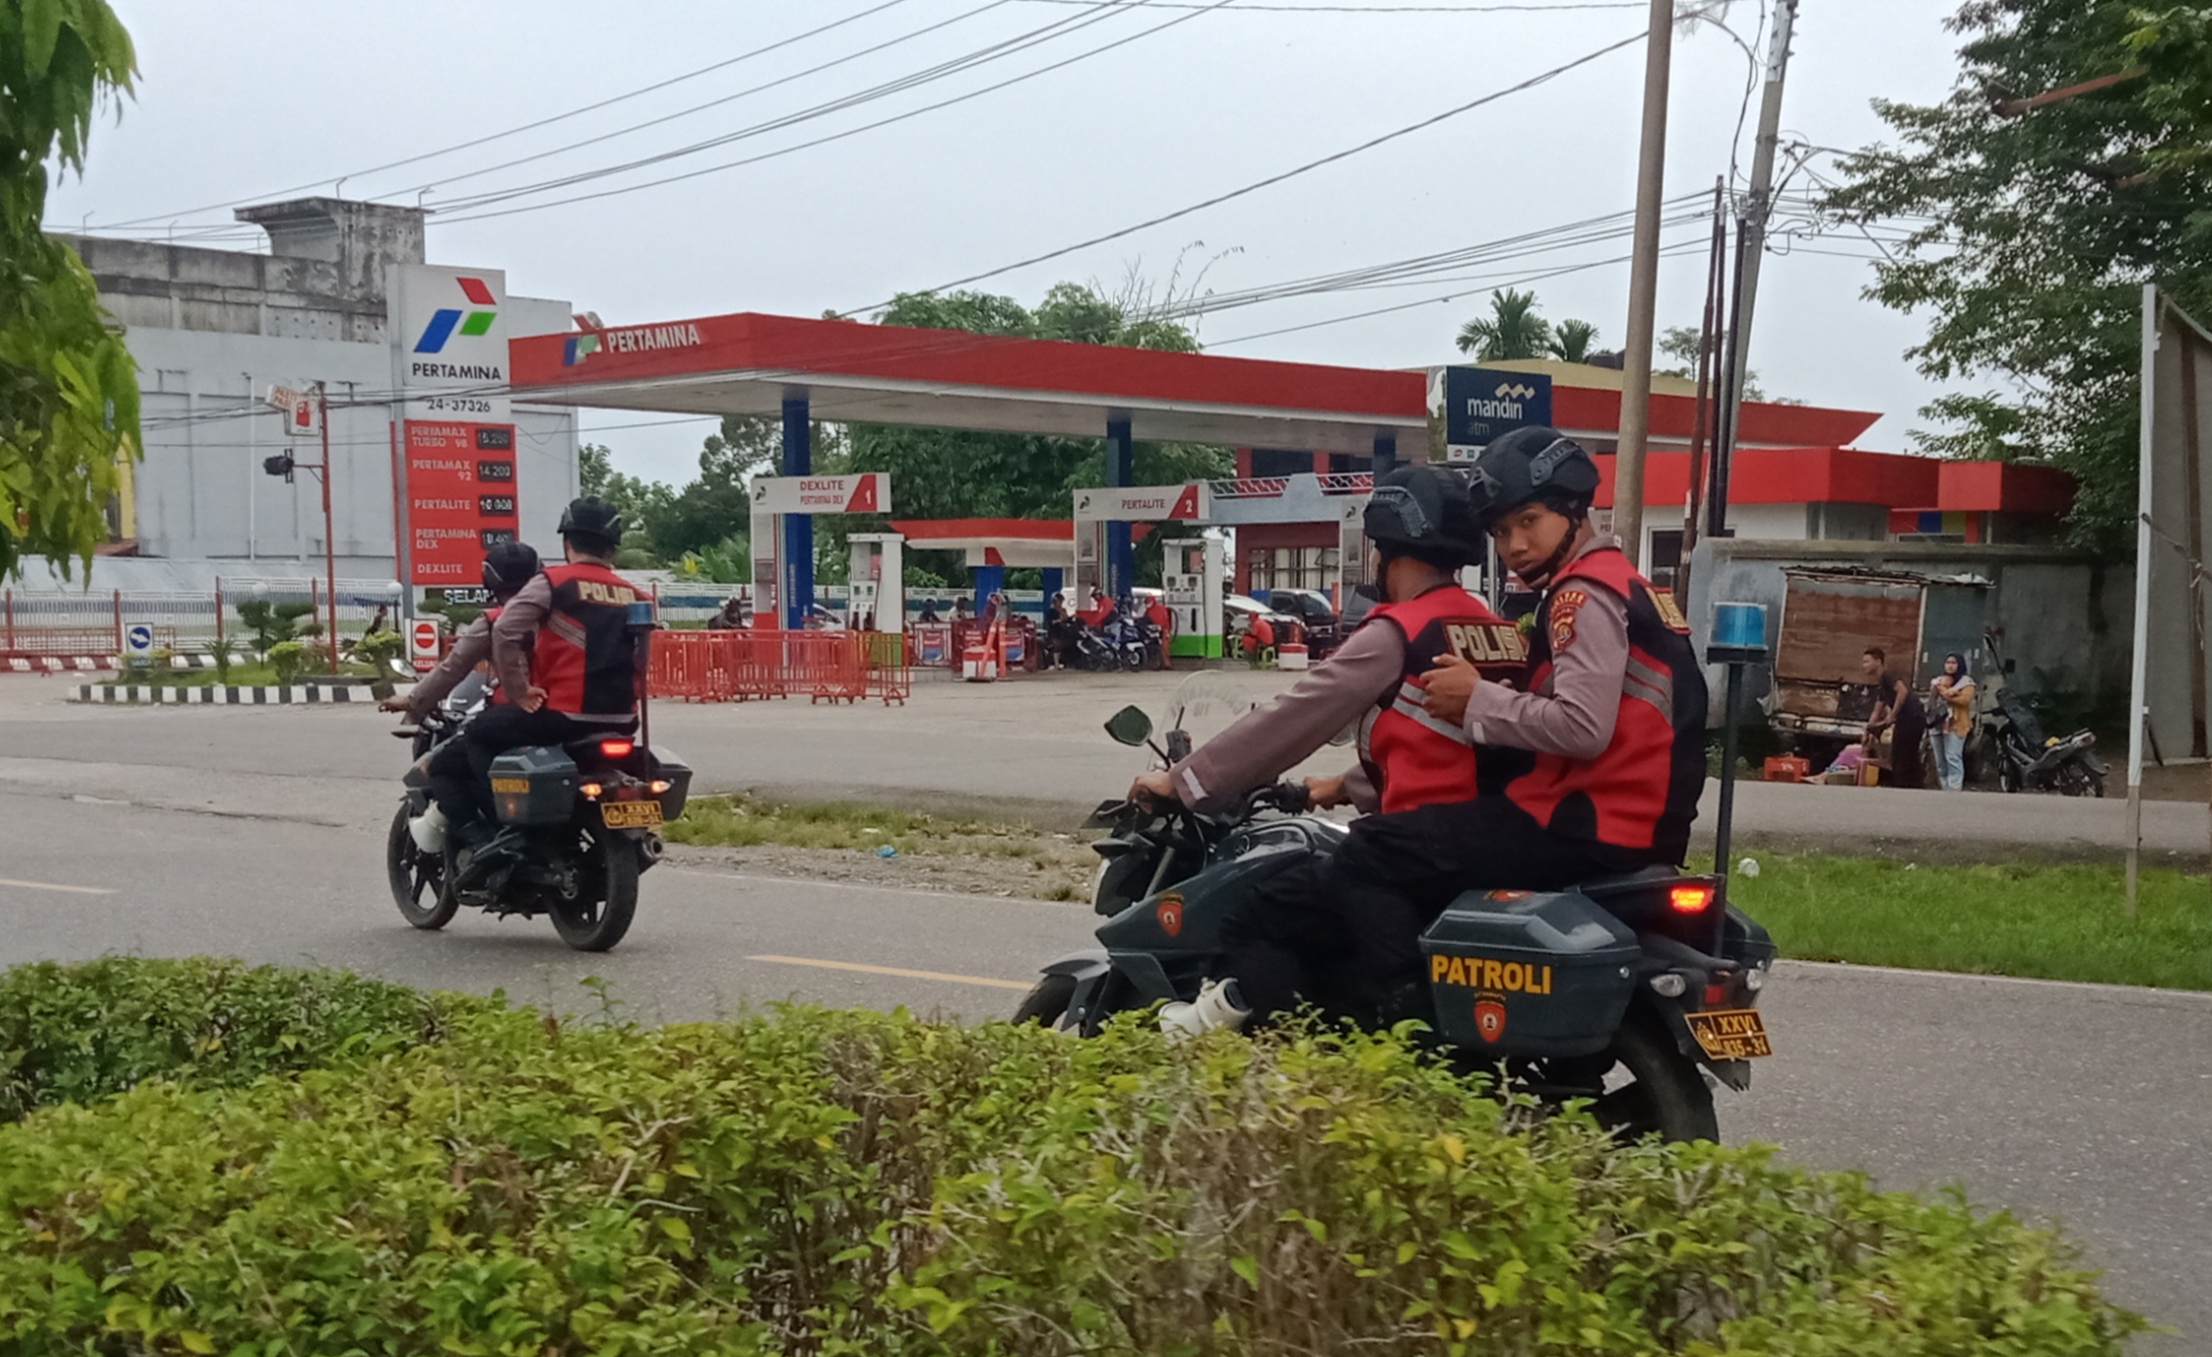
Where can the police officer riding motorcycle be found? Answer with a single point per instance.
(551, 806)
(1608, 731)
(1342, 931)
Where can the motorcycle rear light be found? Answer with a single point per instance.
(1689, 899)
(591, 790)
(616, 749)
(1716, 994)
(660, 786)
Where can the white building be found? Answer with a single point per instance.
(213, 330)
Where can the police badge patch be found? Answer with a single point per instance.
(1564, 605)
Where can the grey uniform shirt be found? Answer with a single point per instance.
(1573, 711)
(1278, 734)
(471, 647)
(516, 632)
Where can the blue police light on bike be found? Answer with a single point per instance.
(1740, 625)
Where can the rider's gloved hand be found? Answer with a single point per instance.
(1327, 792)
(1153, 789)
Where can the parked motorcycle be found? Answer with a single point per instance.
(580, 823)
(1127, 641)
(1621, 991)
(2027, 759)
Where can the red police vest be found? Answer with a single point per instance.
(585, 658)
(1413, 758)
(1642, 791)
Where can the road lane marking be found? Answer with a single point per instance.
(894, 970)
(50, 886)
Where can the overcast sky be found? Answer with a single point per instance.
(243, 101)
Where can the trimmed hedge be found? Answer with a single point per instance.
(841, 1182)
(73, 1033)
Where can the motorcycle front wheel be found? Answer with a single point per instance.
(606, 896)
(1047, 1001)
(417, 878)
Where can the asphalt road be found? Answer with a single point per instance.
(258, 833)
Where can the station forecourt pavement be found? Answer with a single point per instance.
(258, 833)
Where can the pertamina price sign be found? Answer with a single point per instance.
(457, 441)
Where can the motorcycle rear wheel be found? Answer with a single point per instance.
(2075, 780)
(1666, 1094)
(606, 901)
(413, 874)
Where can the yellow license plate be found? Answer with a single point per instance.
(630, 814)
(1731, 1033)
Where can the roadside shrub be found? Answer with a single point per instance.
(377, 649)
(85, 1032)
(849, 1182)
(288, 658)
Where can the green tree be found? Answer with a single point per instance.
(68, 388)
(942, 473)
(1679, 342)
(2031, 227)
(1512, 329)
(1572, 341)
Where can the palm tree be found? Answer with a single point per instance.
(1573, 340)
(1514, 330)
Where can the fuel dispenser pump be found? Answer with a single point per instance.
(1196, 572)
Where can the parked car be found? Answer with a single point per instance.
(1324, 629)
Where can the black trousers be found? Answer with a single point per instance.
(1343, 933)
(504, 726)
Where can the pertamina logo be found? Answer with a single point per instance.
(1170, 914)
(449, 318)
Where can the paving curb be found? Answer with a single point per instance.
(219, 695)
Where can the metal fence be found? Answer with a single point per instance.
(64, 624)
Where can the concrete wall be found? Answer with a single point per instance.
(2063, 613)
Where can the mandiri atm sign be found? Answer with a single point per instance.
(1470, 408)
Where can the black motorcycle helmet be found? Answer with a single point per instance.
(509, 566)
(1534, 465)
(592, 524)
(1424, 512)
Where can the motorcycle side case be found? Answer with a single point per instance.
(534, 786)
(1745, 940)
(1516, 973)
(677, 774)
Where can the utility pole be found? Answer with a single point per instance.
(1643, 287)
(330, 541)
(1751, 249)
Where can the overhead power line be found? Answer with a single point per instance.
(1379, 9)
(848, 132)
(1255, 186)
(524, 127)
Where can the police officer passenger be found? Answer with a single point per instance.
(507, 567)
(1612, 717)
(566, 659)
(1343, 932)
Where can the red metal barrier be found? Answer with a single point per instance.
(30, 643)
(739, 666)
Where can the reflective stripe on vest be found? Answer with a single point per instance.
(1413, 758)
(585, 657)
(1642, 791)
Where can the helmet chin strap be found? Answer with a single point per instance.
(1541, 577)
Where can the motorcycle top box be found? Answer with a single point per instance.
(1523, 973)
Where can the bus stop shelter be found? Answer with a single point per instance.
(851, 372)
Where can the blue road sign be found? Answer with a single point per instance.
(138, 639)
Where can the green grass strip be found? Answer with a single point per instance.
(2052, 922)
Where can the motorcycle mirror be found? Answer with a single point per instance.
(1129, 726)
(1345, 736)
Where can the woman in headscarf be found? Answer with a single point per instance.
(1954, 687)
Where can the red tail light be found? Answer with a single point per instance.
(616, 749)
(1690, 899)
